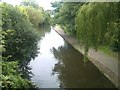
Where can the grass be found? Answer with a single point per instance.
(108, 51)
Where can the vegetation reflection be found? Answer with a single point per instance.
(74, 73)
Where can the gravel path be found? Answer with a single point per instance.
(105, 63)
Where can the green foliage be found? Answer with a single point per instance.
(108, 51)
(56, 6)
(12, 77)
(32, 3)
(47, 18)
(97, 24)
(66, 15)
(18, 46)
(34, 12)
(36, 16)
(21, 38)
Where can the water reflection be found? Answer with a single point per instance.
(49, 41)
(43, 30)
(59, 65)
(43, 64)
(74, 73)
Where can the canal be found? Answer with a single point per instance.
(59, 65)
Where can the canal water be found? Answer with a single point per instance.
(59, 65)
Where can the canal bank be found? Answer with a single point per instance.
(106, 64)
(59, 65)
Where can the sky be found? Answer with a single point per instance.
(46, 3)
(43, 3)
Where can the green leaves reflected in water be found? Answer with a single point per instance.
(74, 73)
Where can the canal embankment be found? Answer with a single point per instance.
(108, 65)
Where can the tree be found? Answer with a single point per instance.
(32, 3)
(96, 24)
(66, 15)
(36, 16)
(20, 37)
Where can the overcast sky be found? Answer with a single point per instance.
(43, 3)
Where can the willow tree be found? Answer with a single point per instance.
(96, 24)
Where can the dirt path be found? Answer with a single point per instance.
(106, 64)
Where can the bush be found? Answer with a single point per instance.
(21, 38)
(18, 46)
(12, 77)
(36, 16)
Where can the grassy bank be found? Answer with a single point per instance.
(106, 50)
